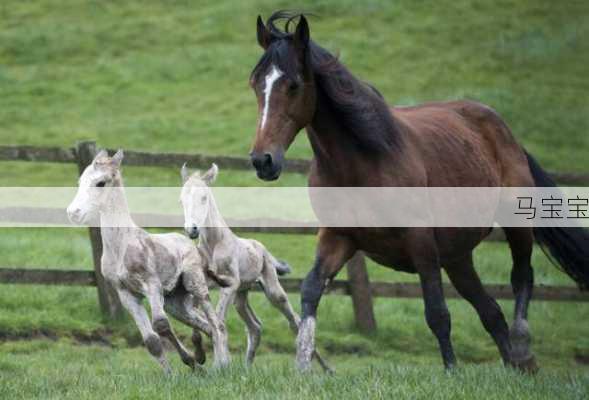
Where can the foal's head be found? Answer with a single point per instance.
(196, 198)
(283, 83)
(94, 187)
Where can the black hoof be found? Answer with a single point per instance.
(199, 352)
(190, 362)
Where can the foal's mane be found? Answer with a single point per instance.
(359, 107)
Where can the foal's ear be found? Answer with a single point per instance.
(264, 35)
(210, 176)
(117, 159)
(302, 35)
(99, 155)
(184, 173)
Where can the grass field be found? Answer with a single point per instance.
(172, 76)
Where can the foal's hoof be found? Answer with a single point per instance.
(190, 362)
(528, 365)
(199, 352)
(200, 356)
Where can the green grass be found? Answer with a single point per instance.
(172, 76)
(402, 332)
(93, 372)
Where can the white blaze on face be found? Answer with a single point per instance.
(85, 202)
(271, 78)
(195, 201)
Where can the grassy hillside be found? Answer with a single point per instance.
(169, 76)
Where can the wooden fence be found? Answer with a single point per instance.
(357, 286)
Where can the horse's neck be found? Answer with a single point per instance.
(215, 229)
(333, 149)
(116, 225)
(338, 159)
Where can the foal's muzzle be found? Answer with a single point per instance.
(75, 215)
(192, 232)
(267, 167)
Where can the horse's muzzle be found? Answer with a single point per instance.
(267, 167)
(193, 232)
(75, 215)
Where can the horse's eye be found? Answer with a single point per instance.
(203, 199)
(101, 184)
(293, 86)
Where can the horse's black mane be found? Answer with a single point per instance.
(358, 106)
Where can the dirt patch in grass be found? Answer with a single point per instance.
(101, 337)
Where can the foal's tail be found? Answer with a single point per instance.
(281, 267)
(567, 247)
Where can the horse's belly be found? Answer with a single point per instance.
(390, 261)
(454, 243)
(385, 246)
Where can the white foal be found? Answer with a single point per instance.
(167, 269)
(244, 261)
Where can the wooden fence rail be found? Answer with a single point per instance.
(292, 285)
(358, 287)
(143, 158)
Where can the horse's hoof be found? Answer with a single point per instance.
(329, 371)
(199, 353)
(200, 356)
(190, 362)
(528, 365)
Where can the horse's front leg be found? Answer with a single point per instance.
(151, 339)
(162, 325)
(423, 251)
(332, 253)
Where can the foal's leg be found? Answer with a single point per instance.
(151, 339)
(278, 298)
(195, 283)
(467, 283)
(521, 241)
(181, 306)
(332, 252)
(424, 253)
(252, 323)
(162, 326)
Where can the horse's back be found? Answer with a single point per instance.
(464, 143)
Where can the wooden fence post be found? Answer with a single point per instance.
(361, 293)
(107, 297)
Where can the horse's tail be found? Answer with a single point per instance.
(566, 247)
(281, 267)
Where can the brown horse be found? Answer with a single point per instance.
(358, 140)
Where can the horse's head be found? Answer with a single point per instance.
(196, 198)
(94, 187)
(283, 83)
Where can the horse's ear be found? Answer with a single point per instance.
(117, 159)
(302, 35)
(264, 35)
(210, 176)
(184, 173)
(101, 154)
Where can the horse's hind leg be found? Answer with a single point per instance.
(466, 281)
(162, 326)
(521, 242)
(252, 323)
